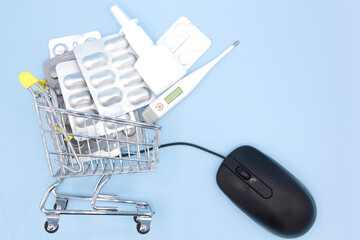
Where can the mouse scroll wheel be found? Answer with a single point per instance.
(243, 173)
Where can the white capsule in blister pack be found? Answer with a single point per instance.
(186, 41)
(107, 65)
(58, 46)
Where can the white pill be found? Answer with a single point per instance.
(181, 30)
(185, 58)
(59, 49)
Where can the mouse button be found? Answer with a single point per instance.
(250, 157)
(248, 177)
(229, 183)
(236, 189)
(231, 163)
(260, 187)
(244, 152)
(243, 173)
(239, 153)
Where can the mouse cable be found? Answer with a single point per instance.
(185, 144)
(190, 145)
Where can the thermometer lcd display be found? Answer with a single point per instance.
(174, 94)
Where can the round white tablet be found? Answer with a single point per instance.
(59, 49)
(185, 58)
(181, 30)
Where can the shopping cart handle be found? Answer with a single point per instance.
(27, 79)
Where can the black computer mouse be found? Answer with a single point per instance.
(266, 192)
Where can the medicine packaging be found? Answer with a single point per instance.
(110, 144)
(50, 69)
(186, 41)
(58, 46)
(107, 65)
(77, 97)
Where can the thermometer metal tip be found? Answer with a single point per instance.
(236, 43)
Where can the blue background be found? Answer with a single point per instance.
(290, 89)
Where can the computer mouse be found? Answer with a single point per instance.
(266, 192)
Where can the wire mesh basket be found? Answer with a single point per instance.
(105, 146)
(126, 146)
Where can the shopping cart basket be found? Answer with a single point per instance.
(131, 148)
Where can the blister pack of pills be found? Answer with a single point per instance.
(112, 145)
(77, 97)
(107, 65)
(50, 69)
(186, 41)
(58, 46)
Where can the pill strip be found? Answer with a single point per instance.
(107, 65)
(50, 69)
(58, 46)
(110, 147)
(77, 97)
(186, 41)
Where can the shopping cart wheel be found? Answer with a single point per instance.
(142, 228)
(50, 228)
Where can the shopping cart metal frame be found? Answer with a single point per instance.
(136, 154)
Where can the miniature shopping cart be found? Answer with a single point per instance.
(131, 148)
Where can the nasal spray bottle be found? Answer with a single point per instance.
(156, 64)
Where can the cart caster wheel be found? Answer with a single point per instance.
(55, 206)
(135, 219)
(50, 228)
(142, 229)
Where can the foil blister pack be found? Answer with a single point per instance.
(77, 97)
(107, 65)
(110, 144)
(50, 69)
(58, 46)
(97, 75)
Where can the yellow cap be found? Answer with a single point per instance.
(27, 79)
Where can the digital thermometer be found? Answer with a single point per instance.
(179, 90)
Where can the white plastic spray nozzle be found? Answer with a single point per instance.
(135, 35)
(120, 16)
(156, 64)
